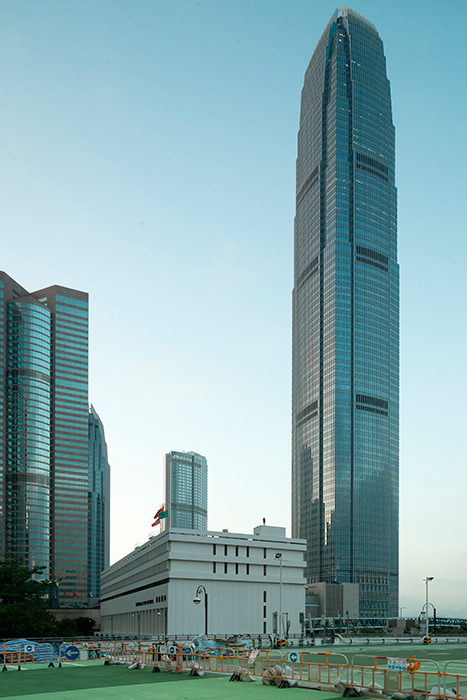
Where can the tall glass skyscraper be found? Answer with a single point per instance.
(186, 491)
(345, 384)
(98, 505)
(45, 416)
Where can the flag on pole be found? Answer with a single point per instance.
(159, 512)
(160, 515)
(75, 594)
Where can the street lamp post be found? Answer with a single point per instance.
(197, 601)
(279, 556)
(323, 619)
(427, 621)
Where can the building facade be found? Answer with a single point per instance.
(44, 404)
(345, 383)
(334, 600)
(151, 591)
(98, 505)
(185, 491)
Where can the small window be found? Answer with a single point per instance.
(264, 627)
(247, 569)
(225, 550)
(264, 611)
(214, 549)
(236, 551)
(213, 567)
(264, 552)
(225, 568)
(236, 568)
(264, 570)
(264, 596)
(248, 551)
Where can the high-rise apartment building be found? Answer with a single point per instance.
(45, 416)
(185, 491)
(98, 505)
(345, 386)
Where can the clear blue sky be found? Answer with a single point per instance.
(148, 153)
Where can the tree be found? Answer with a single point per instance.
(24, 599)
(74, 627)
(85, 626)
(25, 620)
(23, 612)
(18, 584)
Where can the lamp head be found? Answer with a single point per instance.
(196, 600)
(278, 555)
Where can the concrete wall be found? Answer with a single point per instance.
(233, 607)
(151, 591)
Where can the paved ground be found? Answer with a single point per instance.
(440, 651)
(435, 657)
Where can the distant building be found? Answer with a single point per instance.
(151, 591)
(185, 491)
(336, 600)
(44, 459)
(99, 505)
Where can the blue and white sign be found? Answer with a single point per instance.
(72, 653)
(293, 657)
(172, 650)
(397, 664)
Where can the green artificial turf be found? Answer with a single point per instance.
(118, 683)
(43, 680)
(94, 681)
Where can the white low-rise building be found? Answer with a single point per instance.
(151, 591)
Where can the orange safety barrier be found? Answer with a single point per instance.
(330, 671)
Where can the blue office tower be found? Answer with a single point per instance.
(98, 505)
(186, 491)
(345, 386)
(44, 411)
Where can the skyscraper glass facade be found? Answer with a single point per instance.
(44, 405)
(345, 384)
(186, 490)
(70, 408)
(98, 504)
(28, 432)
